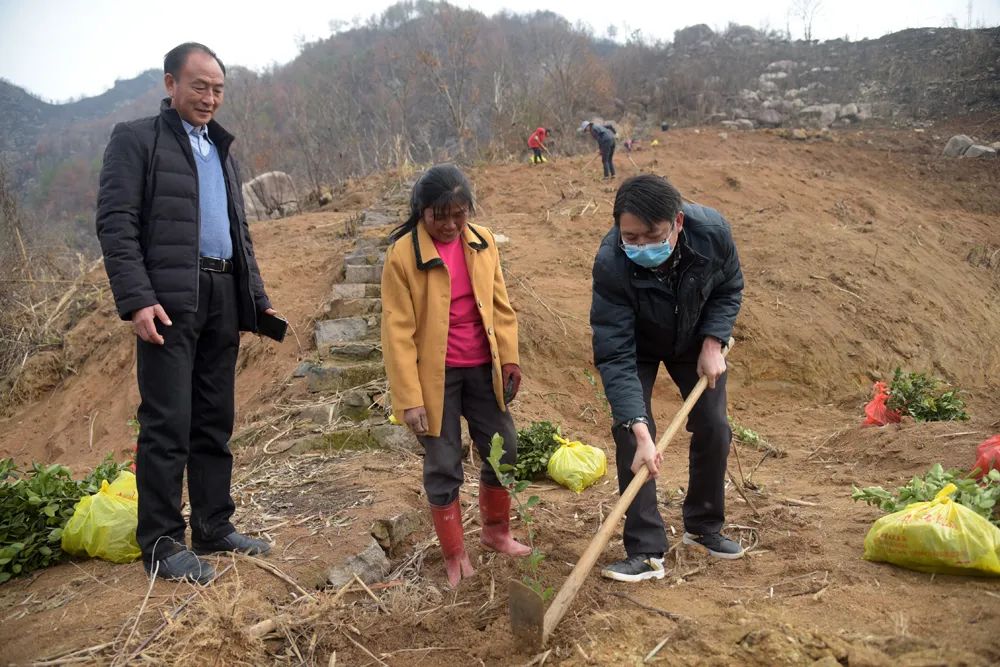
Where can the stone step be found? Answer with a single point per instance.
(354, 352)
(370, 566)
(342, 308)
(322, 377)
(373, 218)
(391, 533)
(364, 257)
(342, 330)
(355, 291)
(365, 435)
(360, 273)
(355, 406)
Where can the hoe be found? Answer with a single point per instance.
(531, 623)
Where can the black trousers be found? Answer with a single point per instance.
(607, 159)
(704, 504)
(185, 420)
(537, 157)
(468, 392)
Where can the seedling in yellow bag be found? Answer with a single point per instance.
(535, 444)
(515, 487)
(937, 535)
(982, 497)
(35, 505)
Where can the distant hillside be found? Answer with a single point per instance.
(428, 82)
(24, 117)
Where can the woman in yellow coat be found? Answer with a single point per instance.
(449, 338)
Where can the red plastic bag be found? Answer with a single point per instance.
(877, 413)
(987, 456)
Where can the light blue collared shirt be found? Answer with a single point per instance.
(199, 138)
(214, 237)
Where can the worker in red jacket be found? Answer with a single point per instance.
(536, 142)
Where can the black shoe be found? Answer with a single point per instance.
(716, 544)
(635, 568)
(181, 566)
(232, 542)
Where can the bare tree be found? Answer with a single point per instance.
(806, 11)
(448, 54)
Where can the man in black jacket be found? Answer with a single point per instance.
(667, 289)
(178, 254)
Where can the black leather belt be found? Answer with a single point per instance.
(215, 265)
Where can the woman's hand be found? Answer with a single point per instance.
(511, 374)
(416, 419)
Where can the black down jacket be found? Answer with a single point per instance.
(148, 219)
(628, 301)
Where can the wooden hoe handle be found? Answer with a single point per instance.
(564, 598)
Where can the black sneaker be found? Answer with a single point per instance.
(181, 566)
(635, 568)
(232, 542)
(716, 544)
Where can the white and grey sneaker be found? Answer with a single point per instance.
(635, 568)
(716, 545)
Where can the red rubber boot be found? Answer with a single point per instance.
(448, 526)
(494, 512)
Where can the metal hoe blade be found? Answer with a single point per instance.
(527, 615)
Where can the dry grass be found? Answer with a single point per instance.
(232, 623)
(44, 289)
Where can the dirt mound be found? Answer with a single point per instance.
(861, 253)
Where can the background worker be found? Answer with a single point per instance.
(536, 142)
(605, 138)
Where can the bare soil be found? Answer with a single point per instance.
(862, 252)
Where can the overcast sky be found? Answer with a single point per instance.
(60, 49)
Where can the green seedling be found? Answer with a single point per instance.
(925, 398)
(505, 473)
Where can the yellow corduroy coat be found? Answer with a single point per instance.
(416, 301)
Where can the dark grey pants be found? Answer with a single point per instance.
(608, 159)
(704, 505)
(186, 419)
(468, 392)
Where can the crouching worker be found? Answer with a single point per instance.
(449, 338)
(667, 289)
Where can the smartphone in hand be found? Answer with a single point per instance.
(272, 326)
(508, 391)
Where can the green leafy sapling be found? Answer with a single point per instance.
(535, 444)
(505, 473)
(601, 397)
(925, 398)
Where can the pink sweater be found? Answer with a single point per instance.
(467, 342)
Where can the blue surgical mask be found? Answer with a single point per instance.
(650, 255)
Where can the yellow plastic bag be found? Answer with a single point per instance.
(936, 536)
(576, 465)
(103, 525)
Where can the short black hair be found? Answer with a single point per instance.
(648, 197)
(174, 61)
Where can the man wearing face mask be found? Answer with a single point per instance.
(667, 287)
